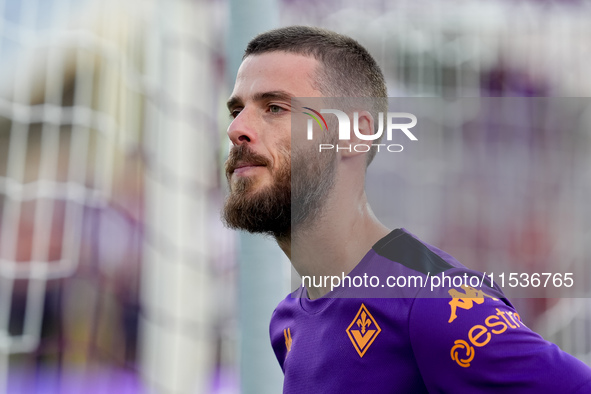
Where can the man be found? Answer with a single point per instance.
(361, 339)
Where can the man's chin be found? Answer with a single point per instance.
(248, 185)
(246, 191)
(258, 211)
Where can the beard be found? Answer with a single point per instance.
(294, 199)
(266, 210)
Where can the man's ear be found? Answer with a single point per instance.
(362, 124)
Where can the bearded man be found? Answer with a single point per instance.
(361, 340)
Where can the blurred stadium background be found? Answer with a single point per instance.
(116, 275)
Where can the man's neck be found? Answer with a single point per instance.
(335, 243)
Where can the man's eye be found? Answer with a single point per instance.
(275, 109)
(234, 113)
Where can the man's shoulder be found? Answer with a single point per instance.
(405, 248)
(400, 265)
(475, 338)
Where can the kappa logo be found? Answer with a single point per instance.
(363, 330)
(465, 300)
(288, 341)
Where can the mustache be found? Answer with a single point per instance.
(243, 154)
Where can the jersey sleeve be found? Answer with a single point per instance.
(472, 340)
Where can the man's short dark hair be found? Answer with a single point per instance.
(348, 70)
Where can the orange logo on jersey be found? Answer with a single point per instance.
(481, 334)
(363, 330)
(463, 362)
(287, 335)
(465, 300)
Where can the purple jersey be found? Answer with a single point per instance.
(452, 339)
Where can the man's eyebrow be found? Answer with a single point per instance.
(276, 94)
(262, 96)
(233, 102)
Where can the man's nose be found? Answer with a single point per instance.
(243, 128)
